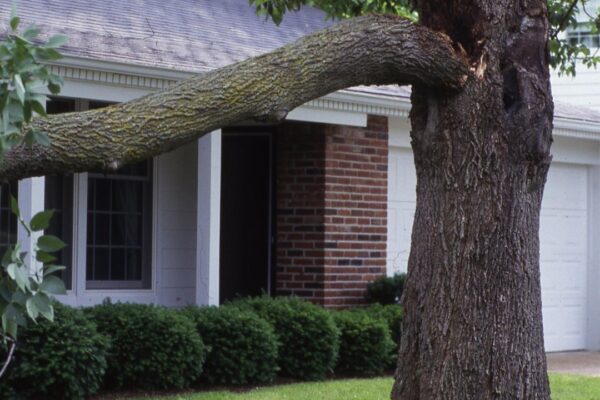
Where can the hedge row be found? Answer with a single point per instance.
(134, 346)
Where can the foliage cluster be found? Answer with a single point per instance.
(366, 346)
(152, 347)
(386, 289)
(308, 335)
(61, 360)
(243, 346)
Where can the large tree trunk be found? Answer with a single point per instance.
(473, 323)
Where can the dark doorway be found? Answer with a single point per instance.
(245, 215)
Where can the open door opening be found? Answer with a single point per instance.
(246, 214)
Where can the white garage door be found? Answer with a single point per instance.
(563, 242)
(563, 257)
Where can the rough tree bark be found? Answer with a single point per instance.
(473, 326)
(363, 51)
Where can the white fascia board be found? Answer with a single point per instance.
(318, 115)
(122, 68)
(577, 128)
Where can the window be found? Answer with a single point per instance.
(58, 196)
(8, 222)
(583, 35)
(119, 228)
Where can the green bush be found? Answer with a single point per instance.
(386, 289)
(152, 347)
(392, 315)
(366, 346)
(64, 359)
(243, 345)
(308, 335)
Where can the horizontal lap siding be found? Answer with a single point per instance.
(176, 225)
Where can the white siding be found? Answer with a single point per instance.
(176, 227)
(584, 89)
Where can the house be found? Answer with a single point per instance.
(316, 206)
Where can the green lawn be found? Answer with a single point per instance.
(564, 387)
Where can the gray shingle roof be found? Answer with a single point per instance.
(186, 35)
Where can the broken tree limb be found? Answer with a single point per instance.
(372, 50)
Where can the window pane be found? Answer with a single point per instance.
(59, 197)
(119, 228)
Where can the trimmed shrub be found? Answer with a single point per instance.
(307, 333)
(366, 346)
(392, 315)
(152, 347)
(64, 359)
(386, 289)
(243, 345)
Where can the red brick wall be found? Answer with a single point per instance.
(331, 210)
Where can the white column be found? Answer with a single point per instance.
(209, 219)
(593, 297)
(31, 201)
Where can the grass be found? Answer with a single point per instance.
(564, 387)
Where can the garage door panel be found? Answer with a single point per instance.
(563, 257)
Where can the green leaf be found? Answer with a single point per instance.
(14, 23)
(44, 257)
(20, 88)
(53, 88)
(53, 268)
(40, 304)
(20, 276)
(41, 220)
(48, 54)
(5, 292)
(56, 41)
(14, 206)
(9, 324)
(53, 285)
(30, 33)
(38, 108)
(41, 138)
(50, 243)
(7, 257)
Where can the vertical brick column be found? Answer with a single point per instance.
(331, 210)
(300, 202)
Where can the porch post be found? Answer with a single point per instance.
(209, 216)
(31, 201)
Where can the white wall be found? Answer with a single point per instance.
(176, 226)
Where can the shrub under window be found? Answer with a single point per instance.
(152, 347)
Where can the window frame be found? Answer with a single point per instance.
(146, 280)
(81, 188)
